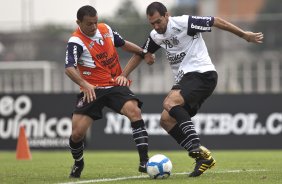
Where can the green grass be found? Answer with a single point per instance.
(54, 166)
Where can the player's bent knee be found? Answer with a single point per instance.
(133, 113)
(167, 105)
(77, 136)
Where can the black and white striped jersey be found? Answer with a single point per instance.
(185, 48)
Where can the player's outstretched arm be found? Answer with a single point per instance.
(247, 35)
(133, 48)
(133, 62)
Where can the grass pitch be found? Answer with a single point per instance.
(121, 167)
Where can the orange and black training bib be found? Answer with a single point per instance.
(105, 57)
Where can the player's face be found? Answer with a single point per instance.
(158, 22)
(88, 25)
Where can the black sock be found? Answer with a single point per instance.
(140, 137)
(77, 151)
(177, 134)
(186, 126)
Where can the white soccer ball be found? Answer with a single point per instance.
(159, 167)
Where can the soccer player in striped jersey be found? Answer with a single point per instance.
(194, 72)
(92, 63)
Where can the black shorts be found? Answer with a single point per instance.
(113, 98)
(196, 88)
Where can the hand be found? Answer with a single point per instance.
(122, 81)
(89, 92)
(253, 37)
(150, 58)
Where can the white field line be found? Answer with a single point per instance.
(146, 176)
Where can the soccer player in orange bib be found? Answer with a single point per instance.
(92, 62)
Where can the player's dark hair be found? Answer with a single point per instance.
(156, 7)
(86, 11)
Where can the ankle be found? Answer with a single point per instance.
(195, 146)
(79, 162)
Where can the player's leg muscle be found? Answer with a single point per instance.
(173, 98)
(80, 124)
(167, 122)
(131, 110)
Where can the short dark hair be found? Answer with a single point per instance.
(156, 7)
(86, 10)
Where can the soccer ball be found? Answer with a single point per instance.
(159, 167)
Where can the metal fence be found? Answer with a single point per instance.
(249, 74)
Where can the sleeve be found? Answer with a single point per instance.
(199, 24)
(150, 45)
(73, 53)
(118, 40)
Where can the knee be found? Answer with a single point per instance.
(167, 105)
(174, 98)
(77, 135)
(131, 110)
(134, 112)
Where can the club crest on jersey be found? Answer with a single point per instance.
(100, 42)
(175, 41)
